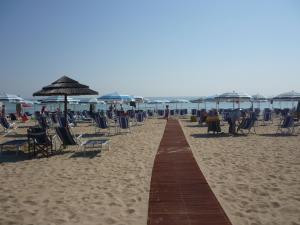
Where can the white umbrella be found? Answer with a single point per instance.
(258, 98)
(4, 97)
(288, 96)
(233, 96)
(180, 101)
(90, 101)
(58, 99)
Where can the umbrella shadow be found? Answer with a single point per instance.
(87, 154)
(210, 135)
(15, 135)
(278, 135)
(10, 156)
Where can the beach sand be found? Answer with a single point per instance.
(256, 178)
(107, 188)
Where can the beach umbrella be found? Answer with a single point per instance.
(233, 97)
(115, 97)
(90, 101)
(288, 96)
(259, 98)
(211, 98)
(179, 101)
(198, 100)
(4, 97)
(58, 99)
(138, 99)
(65, 86)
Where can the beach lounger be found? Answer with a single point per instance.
(67, 138)
(246, 124)
(140, 117)
(267, 117)
(101, 123)
(8, 127)
(43, 123)
(286, 125)
(124, 124)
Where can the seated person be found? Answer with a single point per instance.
(213, 121)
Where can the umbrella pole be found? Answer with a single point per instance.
(66, 103)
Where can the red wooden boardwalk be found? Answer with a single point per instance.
(179, 193)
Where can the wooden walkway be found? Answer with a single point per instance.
(179, 193)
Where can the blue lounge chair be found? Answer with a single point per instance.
(101, 123)
(140, 117)
(286, 125)
(247, 124)
(124, 124)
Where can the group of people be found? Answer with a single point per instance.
(14, 116)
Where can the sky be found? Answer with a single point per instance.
(151, 48)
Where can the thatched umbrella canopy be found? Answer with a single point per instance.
(65, 86)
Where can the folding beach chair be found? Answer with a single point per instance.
(246, 124)
(140, 117)
(286, 125)
(67, 138)
(124, 124)
(39, 141)
(43, 123)
(101, 123)
(267, 117)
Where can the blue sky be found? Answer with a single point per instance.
(151, 48)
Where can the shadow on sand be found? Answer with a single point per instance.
(87, 154)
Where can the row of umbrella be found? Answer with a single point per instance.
(239, 96)
(66, 86)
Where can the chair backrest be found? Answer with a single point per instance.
(62, 121)
(140, 117)
(124, 123)
(101, 121)
(249, 122)
(39, 135)
(65, 135)
(53, 117)
(42, 120)
(4, 122)
(288, 121)
(267, 115)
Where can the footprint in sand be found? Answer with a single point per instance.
(130, 211)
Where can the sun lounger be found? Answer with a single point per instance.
(246, 124)
(286, 125)
(67, 138)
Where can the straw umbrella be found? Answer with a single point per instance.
(65, 86)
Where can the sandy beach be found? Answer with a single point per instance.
(255, 178)
(109, 188)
